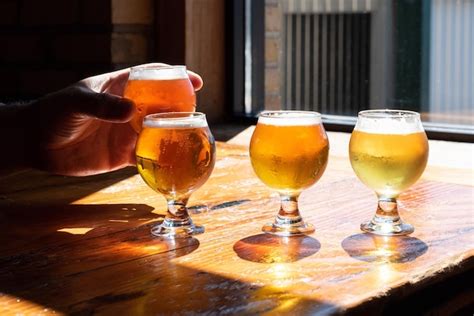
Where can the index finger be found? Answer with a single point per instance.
(196, 80)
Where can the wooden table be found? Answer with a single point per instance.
(82, 245)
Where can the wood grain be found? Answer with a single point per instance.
(113, 265)
(205, 53)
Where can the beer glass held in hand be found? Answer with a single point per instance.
(175, 156)
(388, 151)
(158, 89)
(289, 153)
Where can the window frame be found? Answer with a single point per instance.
(236, 17)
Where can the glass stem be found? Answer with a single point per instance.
(177, 214)
(387, 210)
(386, 221)
(289, 214)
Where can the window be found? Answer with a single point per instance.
(342, 56)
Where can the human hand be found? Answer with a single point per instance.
(83, 129)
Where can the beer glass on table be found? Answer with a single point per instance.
(158, 89)
(175, 156)
(289, 153)
(388, 151)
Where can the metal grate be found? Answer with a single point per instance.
(326, 62)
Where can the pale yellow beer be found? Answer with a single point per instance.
(388, 151)
(175, 160)
(289, 158)
(388, 163)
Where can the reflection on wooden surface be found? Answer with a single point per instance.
(265, 248)
(372, 248)
(66, 248)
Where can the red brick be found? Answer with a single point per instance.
(8, 12)
(39, 82)
(22, 48)
(96, 12)
(273, 17)
(49, 12)
(272, 80)
(82, 48)
(272, 102)
(272, 50)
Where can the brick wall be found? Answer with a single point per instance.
(272, 54)
(46, 45)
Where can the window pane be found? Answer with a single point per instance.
(340, 57)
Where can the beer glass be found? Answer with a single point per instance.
(157, 89)
(388, 151)
(289, 152)
(175, 156)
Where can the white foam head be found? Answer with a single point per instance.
(289, 118)
(175, 120)
(158, 73)
(397, 122)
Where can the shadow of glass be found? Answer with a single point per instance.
(393, 249)
(33, 227)
(200, 208)
(265, 248)
(156, 285)
(118, 266)
(19, 186)
(120, 233)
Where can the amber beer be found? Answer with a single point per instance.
(389, 162)
(159, 89)
(175, 159)
(289, 154)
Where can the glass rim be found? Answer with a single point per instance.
(175, 120)
(173, 116)
(388, 113)
(158, 72)
(156, 67)
(280, 114)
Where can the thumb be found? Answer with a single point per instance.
(105, 106)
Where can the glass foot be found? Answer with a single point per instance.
(288, 230)
(387, 228)
(169, 229)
